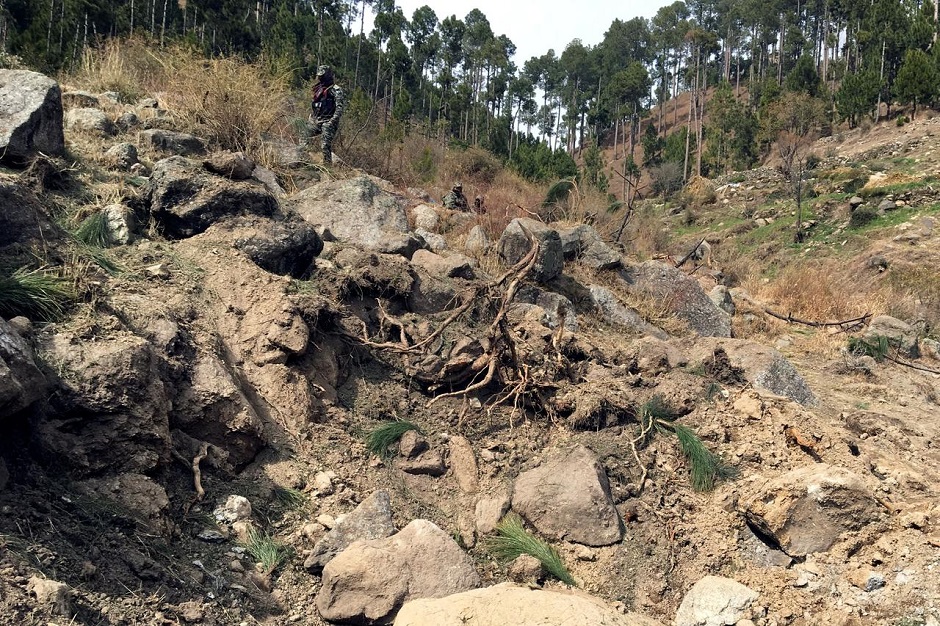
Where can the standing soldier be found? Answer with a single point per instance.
(328, 103)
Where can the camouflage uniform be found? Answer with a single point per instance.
(455, 199)
(328, 104)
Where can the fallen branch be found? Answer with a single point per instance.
(691, 252)
(858, 321)
(919, 368)
(197, 473)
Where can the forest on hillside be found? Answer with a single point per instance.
(766, 66)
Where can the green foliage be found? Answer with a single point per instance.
(653, 146)
(265, 550)
(730, 137)
(916, 81)
(877, 347)
(803, 77)
(559, 192)
(706, 468)
(857, 96)
(381, 438)
(513, 539)
(289, 498)
(37, 294)
(535, 161)
(593, 167)
(667, 178)
(94, 231)
(426, 166)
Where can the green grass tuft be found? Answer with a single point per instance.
(265, 550)
(513, 539)
(877, 348)
(37, 294)
(94, 231)
(290, 498)
(558, 192)
(706, 468)
(379, 440)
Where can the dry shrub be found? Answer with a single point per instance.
(231, 102)
(700, 191)
(913, 293)
(126, 66)
(821, 292)
(646, 234)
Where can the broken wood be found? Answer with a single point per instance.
(844, 324)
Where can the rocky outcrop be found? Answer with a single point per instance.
(504, 604)
(514, 245)
(285, 247)
(450, 266)
(186, 200)
(370, 580)
(372, 519)
(123, 155)
(30, 116)
(615, 313)
(234, 165)
(354, 210)
(578, 508)
(681, 294)
(583, 242)
(90, 120)
(111, 408)
(21, 382)
(808, 509)
(715, 601)
(901, 336)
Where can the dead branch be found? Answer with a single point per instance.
(690, 253)
(197, 473)
(858, 321)
(919, 368)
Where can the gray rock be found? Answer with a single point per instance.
(141, 495)
(269, 179)
(902, 337)
(452, 266)
(721, 297)
(79, 99)
(22, 383)
(681, 293)
(558, 310)
(617, 314)
(762, 366)
(477, 240)
(429, 462)
(808, 509)
(855, 202)
(435, 242)
(186, 200)
(372, 519)
(426, 218)
(489, 511)
(88, 120)
(234, 165)
(404, 244)
(715, 601)
(506, 604)
(579, 508)
(514, 245)
(235, 509)
(355, 210)
(126, 121)
(51, 595)
(182, 144)
(122, 155)
(583, 242)
(286, 247)
(30, 115)
(599, 256)
(370, 580)
(121, 224)
(887, 205)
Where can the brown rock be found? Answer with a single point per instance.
(429, 462)
(411, 444)
(489, 511)
(234, 165)
(51, 595)
(578, 508)
(369, 581)
(525, 569)
(464, 464)
(372, 519)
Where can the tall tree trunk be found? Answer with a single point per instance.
(163, 23)
(362, 29)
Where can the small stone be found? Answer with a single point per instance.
(236, 566)
(327, 521)
(866, 580)
(236, 508)
(158, 270)
(525, 568)
(412, 444)
(88, 570)
(584, 553)
(191, 612)
(51, 595)
(323, 483)
(210, 535)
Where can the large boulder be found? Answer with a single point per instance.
(370, 580)
(514, 245)
(505, 604)
(111, 409)
(24, 222)
(123, 155)
(21, 381)
(808, 509)
(186, 200)
(354, 210)
(583, 242)
(617, 314)
(681, 293)
(762, 366)
(578, 508)
(30, 115)
(715, 601)
(90, 119)
(286, 247)
(372, 519)
(234, 165)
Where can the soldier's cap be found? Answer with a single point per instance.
(323, 70)
(457, 186)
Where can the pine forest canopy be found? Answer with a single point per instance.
(456, 75)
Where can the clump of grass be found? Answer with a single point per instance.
(877, 347)
(37, 294)
(265, 550)
(94, 231)
(512, 540)
(381, 438)
(290, 498)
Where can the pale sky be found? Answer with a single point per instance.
(537, 26)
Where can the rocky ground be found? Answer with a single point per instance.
(188, 445)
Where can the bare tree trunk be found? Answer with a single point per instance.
(163, 24)
(362, 28)
(881, 78)
(49, 29)
(700, 115)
